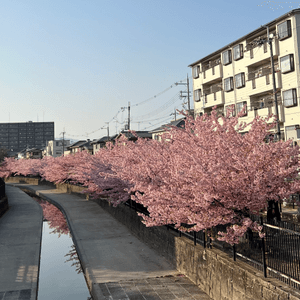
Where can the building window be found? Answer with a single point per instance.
(228, 84)
(230, 111)
(290, 98)
(226, 57)
(238, 52)
(197, 95)
(287, 63)
(284, 30)
(240, 107)
(239, 80)
(196, 71)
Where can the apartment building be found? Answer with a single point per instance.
(18, 136)
(241, 75)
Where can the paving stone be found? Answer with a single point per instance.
(12, 295)
(25, 294)
(104, 289)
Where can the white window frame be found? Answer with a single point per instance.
(237, 52)
(226, 57)
(196, 71)
(239, 80)
(287, 63)
(228, 84)
(197, 95)
(289, 98)
(284, 30)
(240, 106)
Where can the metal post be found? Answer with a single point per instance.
(274, 85)
(263, 251)
(234, 252)
(195, 238)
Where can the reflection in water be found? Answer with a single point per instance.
(54, 216)
(57, 279)
(73, 257)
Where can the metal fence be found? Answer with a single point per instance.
(2, 188)
(276, 255)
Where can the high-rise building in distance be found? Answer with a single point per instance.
(17, 136)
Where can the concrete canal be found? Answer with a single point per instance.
(60, 275)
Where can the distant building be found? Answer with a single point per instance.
(157, 133)
(56, 148)
(18, 136)
(100, 143)
(80, 146)
(134, 136)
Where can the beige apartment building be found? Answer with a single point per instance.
(240, 74)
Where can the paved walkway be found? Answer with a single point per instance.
(20, 242)
(117, 265)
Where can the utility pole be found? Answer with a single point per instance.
(128, 115)
(128, 121)
(107, 130)
(188, 91)
(63, 133)
(269, 41)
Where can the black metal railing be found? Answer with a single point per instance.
(2, 188)
(276, 255)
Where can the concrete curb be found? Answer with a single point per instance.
(94, 289)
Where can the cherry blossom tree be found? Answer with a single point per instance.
(208, 174)
(203, 175)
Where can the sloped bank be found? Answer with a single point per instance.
(213, 270)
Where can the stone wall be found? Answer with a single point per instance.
(63, 187)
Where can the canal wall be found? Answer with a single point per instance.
(213, 270)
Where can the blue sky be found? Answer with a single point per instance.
(78, 62)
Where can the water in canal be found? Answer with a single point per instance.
(60, 275)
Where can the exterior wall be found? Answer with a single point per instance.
(256, 65)
(55, 147)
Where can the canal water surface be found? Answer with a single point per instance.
(61, 276)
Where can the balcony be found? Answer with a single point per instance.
(255, 53)
(212, 73)
(265, 112)
(261, 82)
(213, 99)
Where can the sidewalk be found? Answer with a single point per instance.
(20, 242)
(116, 264)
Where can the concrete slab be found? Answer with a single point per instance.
(20, 243)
